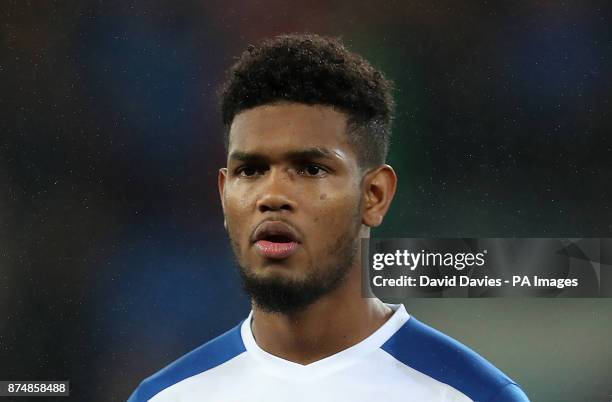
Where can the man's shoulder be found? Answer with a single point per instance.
(212, 354)
(441, 357)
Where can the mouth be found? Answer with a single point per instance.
(276, 240)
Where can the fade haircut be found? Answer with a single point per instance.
(314, 70)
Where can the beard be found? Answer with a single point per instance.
(289, 295)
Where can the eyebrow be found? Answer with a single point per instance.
(301, 154)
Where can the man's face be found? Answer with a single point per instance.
(291, 196)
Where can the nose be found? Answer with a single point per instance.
(276, 193)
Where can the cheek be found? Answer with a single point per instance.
(236, 210)
(237, 199)
(334, 214)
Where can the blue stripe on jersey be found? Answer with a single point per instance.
(205, 357)
(511, 393)
(448, 361)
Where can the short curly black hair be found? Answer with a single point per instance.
(314, 70)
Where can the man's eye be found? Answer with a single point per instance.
(311, 170)
(247, 171)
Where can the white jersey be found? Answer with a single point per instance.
(404, 360)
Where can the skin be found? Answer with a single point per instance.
(324, 198)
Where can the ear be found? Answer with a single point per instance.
(378, 190)
(221, 179)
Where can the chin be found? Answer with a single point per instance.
(277, 274)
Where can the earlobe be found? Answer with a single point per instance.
(379, 189)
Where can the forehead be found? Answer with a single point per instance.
(279, 128)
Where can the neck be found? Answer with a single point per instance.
(333, 323)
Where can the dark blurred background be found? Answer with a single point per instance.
(113, 258)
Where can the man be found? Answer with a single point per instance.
(307, 132)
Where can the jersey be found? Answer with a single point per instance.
(404, 360)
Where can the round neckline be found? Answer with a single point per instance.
(278, 366)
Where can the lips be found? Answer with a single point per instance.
(275, 239)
